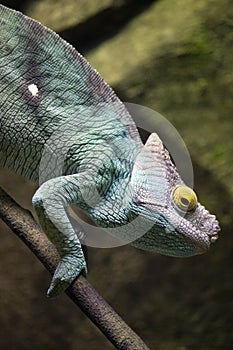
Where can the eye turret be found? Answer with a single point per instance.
(184, 198)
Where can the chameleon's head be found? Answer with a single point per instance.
(182, 226)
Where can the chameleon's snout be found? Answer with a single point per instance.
(205, 236)
(214, 229)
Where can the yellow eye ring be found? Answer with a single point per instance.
(184, 198)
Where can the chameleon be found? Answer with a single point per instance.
(52, 100)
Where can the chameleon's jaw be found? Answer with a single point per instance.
(201, 246)
(176, 235)
(203, 238)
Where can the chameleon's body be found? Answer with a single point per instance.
(47, 88)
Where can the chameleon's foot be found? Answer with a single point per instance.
(67, 270)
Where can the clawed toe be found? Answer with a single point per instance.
(65, 274)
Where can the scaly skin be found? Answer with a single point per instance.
(62, 126)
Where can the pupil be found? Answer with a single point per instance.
(184, 201)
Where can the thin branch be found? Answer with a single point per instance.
(81, 292)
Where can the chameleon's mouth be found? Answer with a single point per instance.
(202, 240)
(201, 246)
(215, 228)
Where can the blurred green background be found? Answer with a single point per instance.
(175, 56)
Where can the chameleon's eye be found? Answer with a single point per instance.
(184, 198)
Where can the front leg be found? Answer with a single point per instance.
(50, 202)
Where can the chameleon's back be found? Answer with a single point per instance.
(46, 85)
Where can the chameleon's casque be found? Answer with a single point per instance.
(52, 99)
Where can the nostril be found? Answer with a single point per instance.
(216, 226)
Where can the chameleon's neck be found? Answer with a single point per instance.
(113, 183)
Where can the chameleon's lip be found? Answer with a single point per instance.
(215, 228)
(201, 246)
(206, 234)
(203, 240)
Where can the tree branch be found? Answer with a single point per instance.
(81, 292)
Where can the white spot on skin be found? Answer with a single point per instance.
(33, 89)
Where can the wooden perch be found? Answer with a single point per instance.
(81, 292)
